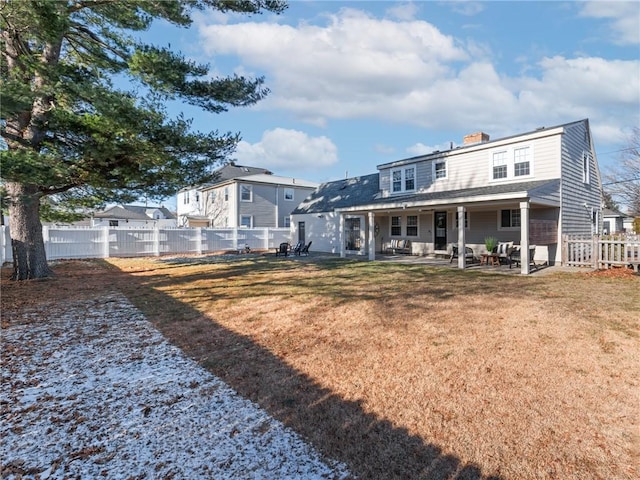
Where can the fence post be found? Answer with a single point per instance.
(199, 240)
(156, 241)
(266, 239)
(105, 242)
(595, 251)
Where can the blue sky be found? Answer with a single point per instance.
(357, 84)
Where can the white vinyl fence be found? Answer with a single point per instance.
(104, 242)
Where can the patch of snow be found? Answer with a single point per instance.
(98, 392)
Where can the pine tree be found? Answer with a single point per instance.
(72, 139)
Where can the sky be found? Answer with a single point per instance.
(354, 85)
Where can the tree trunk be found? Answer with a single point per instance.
(27, 243)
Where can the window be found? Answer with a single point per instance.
(412, 225)
(245, 221)
(113, 223)
(396, 226)
(226, 194)
(246, 193)
(403, 179)
(466, 220)
(288, 194)
(440, 169)
(521, 162)
(287, 222)
(499, 165)
(197, 197)
(510, 218)
(186, 198)
(586, 163)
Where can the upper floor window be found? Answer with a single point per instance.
(440, 169)
(509, 219)
(586, 166)
(246, 193)
(226, 194)
(185, 199)
(403, 179)
(412, 225)
(396, 226)
(521, 165)
(288, 194)
(499, 165)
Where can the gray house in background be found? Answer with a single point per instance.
(242, 196)
(614, 221)
(529, 189)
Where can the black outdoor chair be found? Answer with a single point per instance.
(283, 250)
(299, 246)
(468, 254)
(305, 250)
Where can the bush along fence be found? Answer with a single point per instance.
(601, 251)
(104, 242)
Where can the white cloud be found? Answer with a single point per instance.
(465, 7)
(625, 19)
(419, 148)
(403, 11)
(288, 149)
(408, 72)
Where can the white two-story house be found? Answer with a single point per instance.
(242, 197)
(528, 188)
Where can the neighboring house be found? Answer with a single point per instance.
(614, 221)
(134, 216)
(242, 197)
(530, 189)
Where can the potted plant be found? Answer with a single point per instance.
(490, 243)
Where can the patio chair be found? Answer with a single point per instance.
(299, 246)
(283, 250)
(468, 253)
(305, 250)
(514, 256)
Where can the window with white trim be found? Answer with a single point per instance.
(440, 169)
(288, 194)
(403, 179)
(287, 222)
(521, 163)
(226, 194)
(246, 193)
(396, 226)
(499, 165)
(185, 199)
(509, 219)
(412, 225)
(586, 167)
(246, 221)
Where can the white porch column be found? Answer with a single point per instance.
(343, 252)
(462, 259)
(372, 238)
(524, 238)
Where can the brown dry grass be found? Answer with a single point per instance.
(404, 371)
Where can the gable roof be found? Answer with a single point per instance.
(229, 172)
(489, 143)
(360, 192)
(340, 194)
(132, 212)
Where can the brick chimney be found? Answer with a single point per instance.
(478, 137)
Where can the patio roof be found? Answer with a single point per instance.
(363, 193)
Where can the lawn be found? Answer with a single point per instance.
(405, 371)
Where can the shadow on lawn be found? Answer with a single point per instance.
(372, 447)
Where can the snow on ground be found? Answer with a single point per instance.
(97, 392)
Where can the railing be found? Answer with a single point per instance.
(601, 252)
(104, 242)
